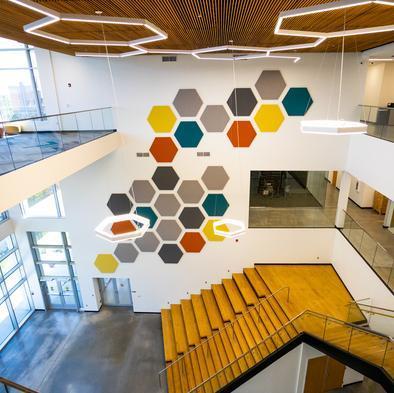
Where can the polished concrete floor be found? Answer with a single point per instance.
(113, 350)
(367, 386)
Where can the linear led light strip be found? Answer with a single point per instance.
(382, 59)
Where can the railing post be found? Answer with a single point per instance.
(350, 339)
(325, 328)
(385, 352)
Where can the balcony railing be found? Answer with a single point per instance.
(380, 121)
(7, 386)
(373, 252)
(23, 142)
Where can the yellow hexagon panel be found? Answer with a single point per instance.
(269, 118)
(210, 235)
(162, 118)
(106, 263)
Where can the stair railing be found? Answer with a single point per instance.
(230, 325)
(10, 386)
(378, 349)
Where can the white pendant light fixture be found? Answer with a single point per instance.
(229, 228)
(337, 126)
(122, 228)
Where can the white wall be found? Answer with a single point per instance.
(361, 193)
(379, 84)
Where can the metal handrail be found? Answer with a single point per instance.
(15, 385)
(227, 327)
(326, 317)
(359, 305)
(53, 115)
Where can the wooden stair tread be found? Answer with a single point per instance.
(234, 295)
(170, 352)
(257, 282)
(179, 329)
(213, 312)
(201, 316)
(246, 289)
(192, 334)
(223, 303)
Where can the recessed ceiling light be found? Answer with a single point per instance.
(98, 12)
(230, 41)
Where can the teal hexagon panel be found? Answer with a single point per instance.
(147, 212)
(188, 134)
(297, 101)
(215, 204)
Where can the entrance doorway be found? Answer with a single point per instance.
(115, 292)
(59, 293)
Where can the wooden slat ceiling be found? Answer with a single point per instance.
(194, 24)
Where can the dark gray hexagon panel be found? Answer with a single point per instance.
(167, 205)
(270, 84)
(215, 178)
(242, 101)
(165, 178)
(214, 118)
(147, 243)
(142, 191)
(170, 253)
(187, 102)
(126, 252)
(190, 191)
(169, 230)
(191, 217)
(119, 204)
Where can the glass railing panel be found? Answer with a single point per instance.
(311, 324)
(337, 333)
(380, 121)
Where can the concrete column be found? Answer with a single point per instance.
(389, 214)
(343, 198)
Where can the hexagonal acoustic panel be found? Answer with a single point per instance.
(142, 191)
(190, 191)
(169, 230)
(241, 133)
(191, 217)
(119, 204)
(214, 118)
(170, 253)
(167, 205)
(215, 178)
(165, 178)
(269, 118)
(147, 243)
(126, 252)
(242, 101)
(192, 242)
(210, 234)
(270, 84)
(147, 212)
(297, 101)
(106, 263)
(215, 204)
(187, 102)
(162, 118)
(188, 134)
(163, 149)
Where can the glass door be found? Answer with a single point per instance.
(115, 292)
(59, 293)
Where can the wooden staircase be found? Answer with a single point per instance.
(216, 335)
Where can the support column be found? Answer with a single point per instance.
(389, 214)
(343, 199)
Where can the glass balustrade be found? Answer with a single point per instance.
(380, 121)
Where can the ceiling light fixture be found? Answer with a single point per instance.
(381, 59)
(229, 228)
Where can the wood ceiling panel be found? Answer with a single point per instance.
(194, 24)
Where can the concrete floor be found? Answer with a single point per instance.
(113, 350)
(367, 386)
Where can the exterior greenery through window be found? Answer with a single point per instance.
(20, 89)
(15, 299)
(52, 255)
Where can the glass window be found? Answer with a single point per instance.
(20, 300)
(47, 238)
(6, 245)
(14, 279)
(8, 263)
(46, 203)
(6, 326)
(3, 217)
(20, 92)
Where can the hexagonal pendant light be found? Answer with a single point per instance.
(229, 228)
(333, 127)
(122, 228)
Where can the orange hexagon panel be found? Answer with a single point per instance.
(163, 149)
(122, 227)
(192, 242)
(241, 133)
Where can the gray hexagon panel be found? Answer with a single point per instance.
(147, 243)
(167, 204)
(270, 84)
(119, 204)
(126, 252)
(187, 102)
(215, 118)
(142, 191)
(242, 101)
(190, 191)
(170, 253)
(191, 217)
(165, 178)
(169, 230)
(215, 178)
